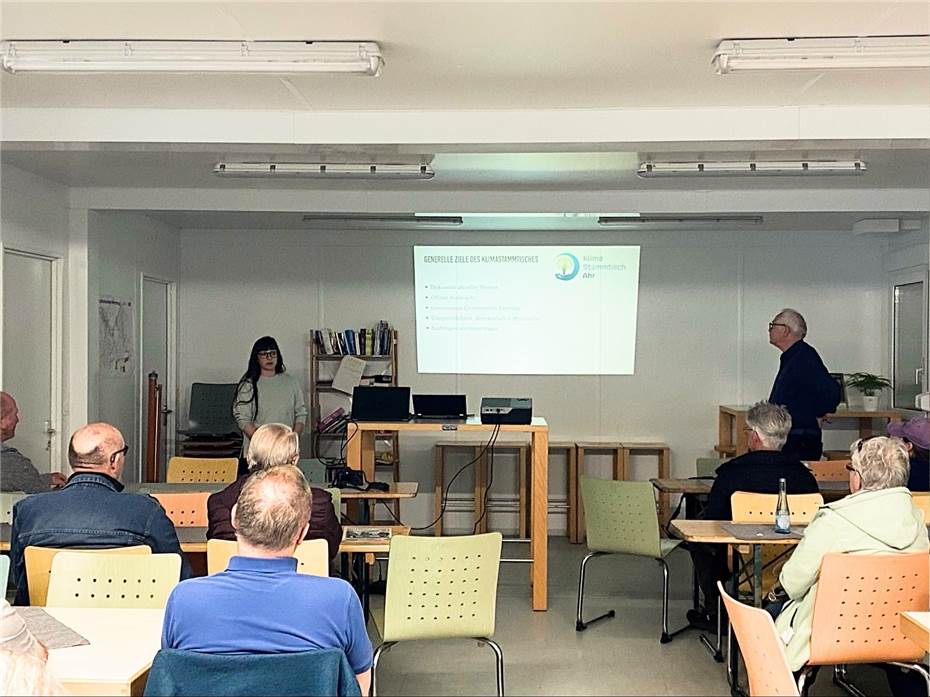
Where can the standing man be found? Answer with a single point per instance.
(17, 473)
(803, 386)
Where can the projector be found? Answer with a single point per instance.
(506, 410)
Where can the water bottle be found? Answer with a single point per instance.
(782, 514)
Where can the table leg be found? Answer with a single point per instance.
(757, 575)
(742, 438)
(572, 487)
(522, 493)
(539, 542)
(732, 648)
(481, 486)
(440, 476)
(865, 427)
(579, 501)
(664, 471)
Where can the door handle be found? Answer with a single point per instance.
(165, 411)
(48, 428)
(918, 374)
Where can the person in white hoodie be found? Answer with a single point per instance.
(878, 517)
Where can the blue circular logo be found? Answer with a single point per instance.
(567, 265)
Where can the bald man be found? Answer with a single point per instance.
(17, 473)
(91, 511)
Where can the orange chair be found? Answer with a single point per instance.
(856, 612)
(922, 499)
(760, 508)
(200, 470)
(185, 510)
(829, 470)
(39, 566)
(764, 654)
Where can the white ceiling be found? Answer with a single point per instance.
(458, 59)
(471, 55)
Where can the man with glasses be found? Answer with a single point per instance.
(803, 386)
(91, 511)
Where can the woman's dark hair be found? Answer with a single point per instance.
(254, 371)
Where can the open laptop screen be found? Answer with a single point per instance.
(381, 404)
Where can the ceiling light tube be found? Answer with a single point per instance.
(659, 220)
(130, 56)
(324, 170)
(748, 168)
(385, 218)
(830, 53)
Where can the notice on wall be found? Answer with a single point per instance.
(117, 354)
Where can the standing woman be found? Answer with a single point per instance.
(267, 394)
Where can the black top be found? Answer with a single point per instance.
(919, 479)
(804, 387)
(757, 472)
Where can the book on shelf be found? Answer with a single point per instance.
(366, 533)
(367, 341)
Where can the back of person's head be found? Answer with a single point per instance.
(882, 462)
(794, 320)
(771, 423)
(97, 447)
(272, 445)
(9, 416)
(273, 508)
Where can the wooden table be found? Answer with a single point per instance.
(360, 454)
(733, 440)
(123, 644)
(830, 490)
(396, 490)
(916, 627)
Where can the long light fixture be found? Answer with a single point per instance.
(321, 170)
(752, 168)
(395, 219)
(828, 53)
(650, 220)
(131, 56)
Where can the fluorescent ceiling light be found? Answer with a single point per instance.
(403, 219)
(129, 56)
(716, 220)
(752, 168)
(323, 170)
(831, 53)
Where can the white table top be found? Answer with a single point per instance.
(123, 644)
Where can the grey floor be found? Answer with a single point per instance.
(544, 655)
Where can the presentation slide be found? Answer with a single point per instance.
(527, 310)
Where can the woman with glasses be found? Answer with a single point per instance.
(267, 394)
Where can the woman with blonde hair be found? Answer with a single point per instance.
(273, 445)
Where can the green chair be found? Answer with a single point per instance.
(337, 501)
(707, 466)
(8, 499)
(4, 573)
(620, 518)
(314, 470)
(442, 588)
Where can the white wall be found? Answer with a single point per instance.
(35, 218)
(123, 247)
(705, 300)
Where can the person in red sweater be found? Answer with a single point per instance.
(272, 445)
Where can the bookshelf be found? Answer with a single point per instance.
(324, 399)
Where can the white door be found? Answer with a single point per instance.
(158, 357)
(30, 358)
(909, 336)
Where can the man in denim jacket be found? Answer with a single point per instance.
(91, 511)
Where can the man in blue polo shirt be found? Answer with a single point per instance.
(260, 604)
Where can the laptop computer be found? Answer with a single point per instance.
(380, 403)
(439, 406)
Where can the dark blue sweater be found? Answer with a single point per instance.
(804, 387)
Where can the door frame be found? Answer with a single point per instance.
(914, 274)
(169, 381)
(57, 455)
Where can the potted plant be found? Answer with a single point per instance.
(869, 385)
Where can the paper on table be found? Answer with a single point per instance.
(52, 633)
(349, 374)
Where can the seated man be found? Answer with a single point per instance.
(757, 471)
(91, 511)
(260, 604)
(17, 473)
(916, 436)
(272, 445)
(878, 517)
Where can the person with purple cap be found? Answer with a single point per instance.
(916, 436)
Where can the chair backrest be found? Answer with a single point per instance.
(922, 499)
(112, 580)
(858, 603)
(748, 507)
(620, 517)
(314, 470)
(442, 587)
(210, 408)
(210, 470)
(39, 566)
(4, 573)
(707, 466)
(337, 501)
(324, 672)
(185, 509)
(8, 499)
(764, 653)
(829, 470)
(312, 556)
